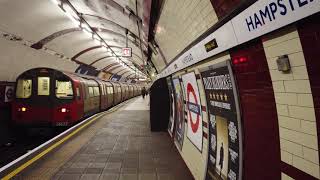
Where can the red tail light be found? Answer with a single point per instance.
(64, 110)
(240, 60)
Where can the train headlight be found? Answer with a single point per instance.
(63, 110)
(23, 109)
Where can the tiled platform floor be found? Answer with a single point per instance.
(121, 148)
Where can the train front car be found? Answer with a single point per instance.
(46, 97)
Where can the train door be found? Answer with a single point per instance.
(113, 94)
(91, 96)
(96, 98)
(86, 101)
(79, 99)
(119, 92)
(123, 92)
(110, 94)
(128, 91)
(107, 94)
(102, 95)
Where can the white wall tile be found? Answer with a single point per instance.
(291, 147)
(306, 166)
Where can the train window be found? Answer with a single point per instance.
(64, 89)
(111, 90)
(43, 86)
(96, 91)
(24, 88)
(90, 91)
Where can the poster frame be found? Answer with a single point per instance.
(172, 100)
(238, 111)
(185, 108)
(180, 147)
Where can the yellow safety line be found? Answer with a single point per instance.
(26, 164)
(19, 169)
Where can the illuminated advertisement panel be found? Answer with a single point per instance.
(225, 147)
(172, 107)
(179, 132)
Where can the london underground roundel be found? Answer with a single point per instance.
(193, 108)
(194, 115)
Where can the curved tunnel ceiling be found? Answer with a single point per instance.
(70, 28)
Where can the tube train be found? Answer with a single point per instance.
(52, 98)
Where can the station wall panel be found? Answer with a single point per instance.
(196, 160)
(294, 102)
(309, 32)
(280, 111)
(260, 126)
(181, 22)
(259, 115)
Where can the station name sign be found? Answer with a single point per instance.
(270, 12)
(265, 16)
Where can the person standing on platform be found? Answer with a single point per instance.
(143, 92)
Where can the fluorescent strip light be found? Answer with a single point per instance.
(87, 32)
(86, 27)
(73, 19)
(95, 36)
(56, 2)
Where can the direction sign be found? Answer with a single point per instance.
(126, 52)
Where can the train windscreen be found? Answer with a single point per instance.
(24, 88)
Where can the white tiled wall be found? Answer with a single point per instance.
(158, 62)
(286, 177)
(181, 22)
(19, 58)
(296, 115)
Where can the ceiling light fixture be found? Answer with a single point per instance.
(73, 19)
(57, 2)
(86, 27)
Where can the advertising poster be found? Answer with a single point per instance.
(179, 132)
(225, 156)
(194, 115)
(172, 107)
(9, 93)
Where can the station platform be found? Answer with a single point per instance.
(117, 146)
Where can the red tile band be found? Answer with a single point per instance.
(205, 135)
(204, 108)
(294, 172)
(205, 124)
